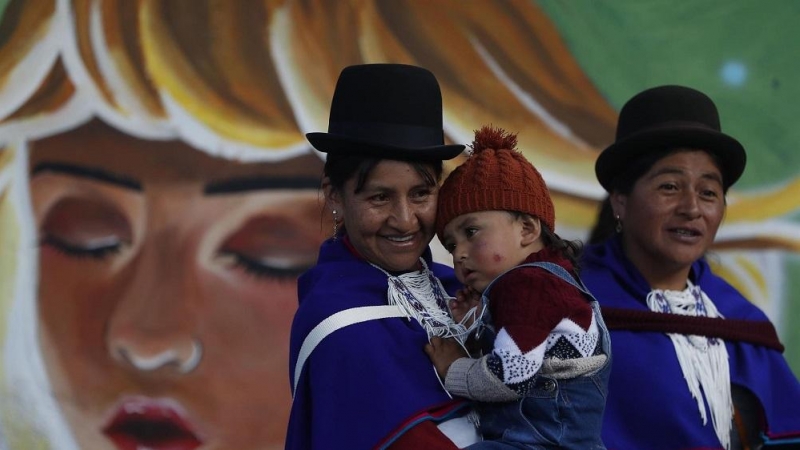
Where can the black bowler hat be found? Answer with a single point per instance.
(386, 111)
(667, 117)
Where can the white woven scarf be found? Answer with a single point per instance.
(703, 360)
(420, 295)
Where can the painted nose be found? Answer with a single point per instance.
(153, 327)
(182, 360)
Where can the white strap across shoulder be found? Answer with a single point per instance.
(336, 321)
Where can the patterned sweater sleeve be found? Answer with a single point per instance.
(528, 305)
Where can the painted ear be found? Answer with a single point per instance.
(531, 229)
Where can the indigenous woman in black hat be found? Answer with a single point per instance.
(696, 364)
(359, 374)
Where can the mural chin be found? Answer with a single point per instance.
(167, 287)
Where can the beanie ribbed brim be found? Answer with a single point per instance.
(452, 206)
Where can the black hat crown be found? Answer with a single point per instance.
(386, 111)
(667, 117)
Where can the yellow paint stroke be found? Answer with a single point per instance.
(765, 205)
(32, 24)
(754, 288)
(196, 91)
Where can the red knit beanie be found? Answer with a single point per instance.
(494, 177)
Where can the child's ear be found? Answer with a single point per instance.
(531, 229)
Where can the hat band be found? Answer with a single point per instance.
(411, 136)
(623, 132)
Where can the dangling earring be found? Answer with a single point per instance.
(335, 225)
(618, 226)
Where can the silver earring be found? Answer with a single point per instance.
(618, 226)
(335, 225)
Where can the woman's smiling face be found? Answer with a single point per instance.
(390, 220)
(167, 286)
(671, 216)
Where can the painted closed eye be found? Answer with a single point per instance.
(85, 228)
(270, 247)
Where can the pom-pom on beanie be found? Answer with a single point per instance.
(495, 176)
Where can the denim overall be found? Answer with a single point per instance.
(565, 413)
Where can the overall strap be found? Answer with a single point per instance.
(335, 322)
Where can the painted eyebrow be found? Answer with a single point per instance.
(258, 183)
(92, 173)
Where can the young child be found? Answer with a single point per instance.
(543, 381)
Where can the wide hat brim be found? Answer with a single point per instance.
(338, 144)
(664, 118)
(616, 158)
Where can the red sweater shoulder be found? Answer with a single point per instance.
(530, 301)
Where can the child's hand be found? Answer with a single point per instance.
(466, 299)
(443, 352)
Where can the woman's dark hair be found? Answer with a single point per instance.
(568, 249)
(606, 224)
(623, 183)
(341, 168)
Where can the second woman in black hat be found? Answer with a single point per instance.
(696, 365)
(360, 377)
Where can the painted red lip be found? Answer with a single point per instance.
(140, 423)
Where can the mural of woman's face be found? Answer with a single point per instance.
(167, 287)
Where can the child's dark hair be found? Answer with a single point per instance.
(568, 249)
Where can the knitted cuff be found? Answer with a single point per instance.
(562, 369)
(470, 378)
(456, 380)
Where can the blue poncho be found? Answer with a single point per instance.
(365, 384)
(649, 405)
